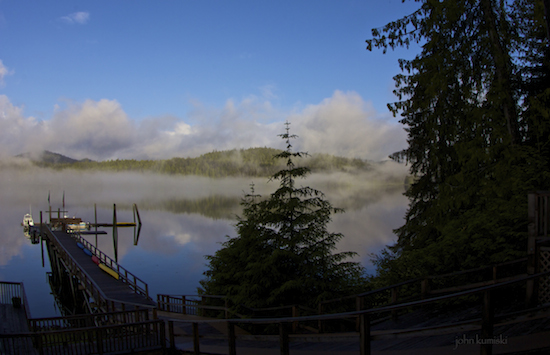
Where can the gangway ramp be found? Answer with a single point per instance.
(109, 293)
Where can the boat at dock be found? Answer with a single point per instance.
(77, 227)
(29, 229)
(27, 221)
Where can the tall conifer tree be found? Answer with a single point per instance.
(283, 253)
(468, 132)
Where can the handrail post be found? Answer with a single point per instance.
(226, 310)
(320, 321)
(487, 324)
(99, 340)
(283, 339)
(364, 334)
(171, 335)
(196, 344)
(184, 307)
(358, 307)
(162, 339)
(295, 313)
(231, 338)
(394, 298)
(425, 288)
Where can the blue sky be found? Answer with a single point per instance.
(157, 79)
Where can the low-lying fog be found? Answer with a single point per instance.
(184, 218)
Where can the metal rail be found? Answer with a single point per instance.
(13, 292)
(113, 339)
(88, 320)
(135, 283)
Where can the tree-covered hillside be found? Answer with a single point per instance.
(236, 162)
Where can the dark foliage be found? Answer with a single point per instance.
(475, 103)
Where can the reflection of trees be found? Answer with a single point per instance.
(215, 207)
(220, 198)
(348, 197)
(351, 198)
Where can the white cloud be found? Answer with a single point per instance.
(4, 72)
(80, 17)
(343, 125)
(99, 128)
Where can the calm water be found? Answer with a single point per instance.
(184, 218)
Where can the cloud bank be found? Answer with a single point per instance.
(343, 124)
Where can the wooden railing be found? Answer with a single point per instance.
(485, 323)
(114, 339)
(14, 293)
(537, 234)
(425, 287)
(219, 306)
(88, 320)
(10, 290)
(422, 288)
(193, 304)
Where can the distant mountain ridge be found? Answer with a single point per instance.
(48, 157)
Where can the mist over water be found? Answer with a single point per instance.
(184, 218)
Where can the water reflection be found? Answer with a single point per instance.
(184, 219)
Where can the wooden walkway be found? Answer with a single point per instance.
(113, 290)
(13, 320)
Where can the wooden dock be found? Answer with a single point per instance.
(12, 319)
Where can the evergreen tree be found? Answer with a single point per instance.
(470, 131)
(283, 253)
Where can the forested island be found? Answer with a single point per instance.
(253, 162)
